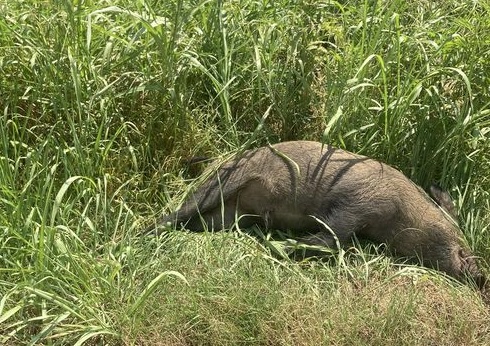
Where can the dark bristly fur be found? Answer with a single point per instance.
(284, 185)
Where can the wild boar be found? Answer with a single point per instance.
(293, 185)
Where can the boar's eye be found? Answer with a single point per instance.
(462, 254)
(465, 260)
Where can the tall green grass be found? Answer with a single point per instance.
(103, 104)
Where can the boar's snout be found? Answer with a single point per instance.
(466, 268)
(472, 273)
(456, 261)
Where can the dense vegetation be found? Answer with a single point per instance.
(103, 104)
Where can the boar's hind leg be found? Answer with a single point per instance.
(219, 218)
(215, 219)
(189, 217)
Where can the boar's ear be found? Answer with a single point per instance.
(443, 199)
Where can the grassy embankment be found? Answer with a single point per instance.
(101, 106)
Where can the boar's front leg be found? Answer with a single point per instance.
(337, 229)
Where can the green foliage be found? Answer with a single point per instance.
(102, 106)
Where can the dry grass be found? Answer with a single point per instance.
(310, 304)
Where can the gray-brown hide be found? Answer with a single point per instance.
(284, 185)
